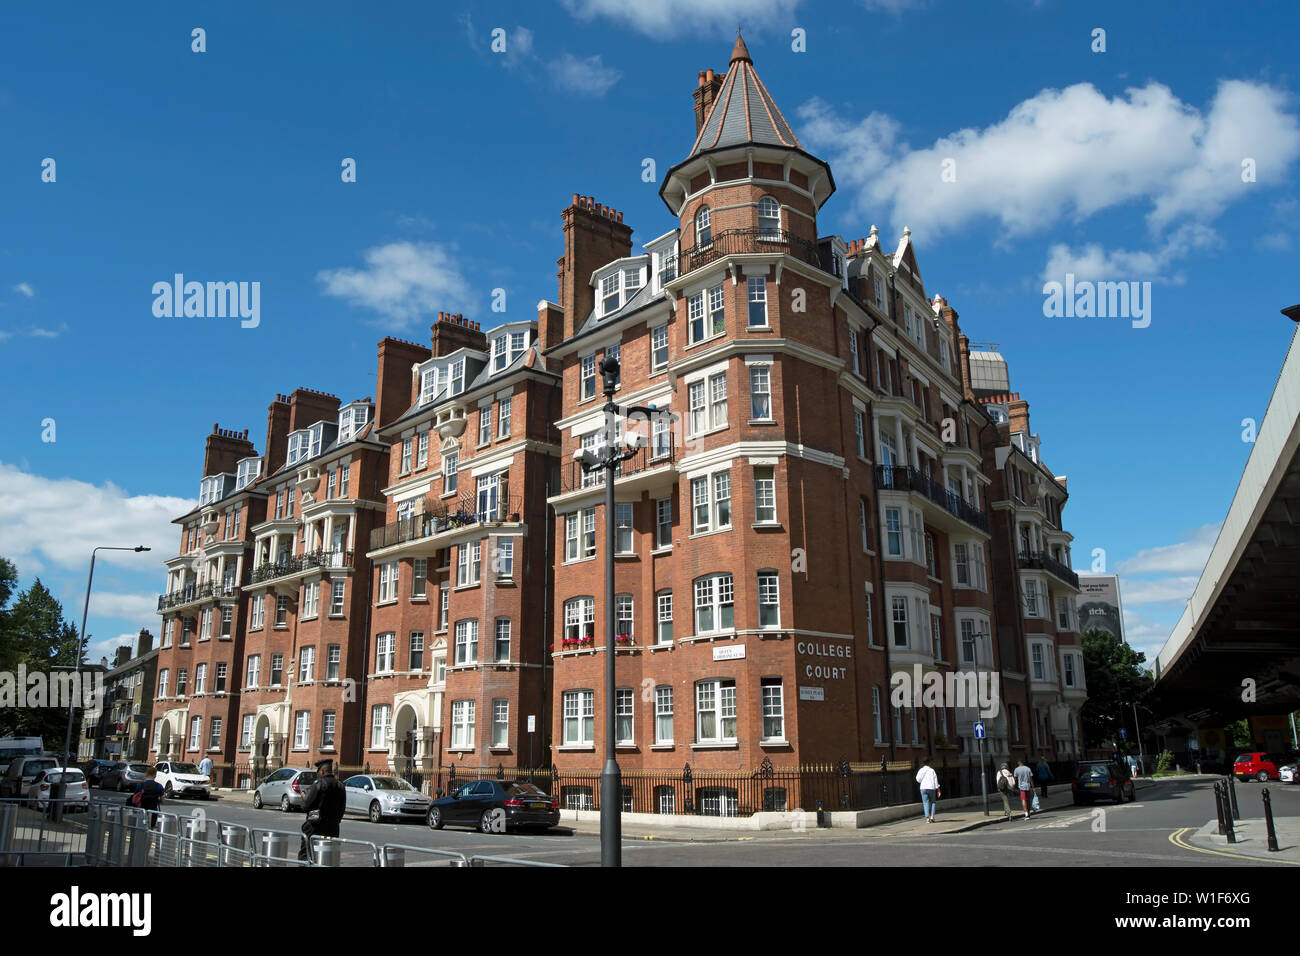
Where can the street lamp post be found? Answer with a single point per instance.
(607, 458)
(60, 788)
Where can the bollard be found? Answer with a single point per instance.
(393, 856)
(234, 843)
(276, 848)
(821, 816)
(1218, 806)
(1227, 820)
(1232, 790)
(328, 852)
(1268, 822)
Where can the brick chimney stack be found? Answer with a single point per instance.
(277, 434)
(143, 642)
(963, 356)
(308, 406)
(706, 94)
(452, 332)
(594, 235)
(1018, 413)
(397, 387)
(224, 448)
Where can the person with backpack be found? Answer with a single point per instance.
(1006, 786)
(149, 795)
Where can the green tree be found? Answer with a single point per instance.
(34, 633)
(1116, 681)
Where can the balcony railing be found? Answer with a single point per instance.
(646, 459)
(195, 592)
(1040, 560)
(296, 564)
(907, 478)
(437, 518)
(742, 241)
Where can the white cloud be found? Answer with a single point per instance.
(666, 18)
(589, 77)
(1144, 635)
(1161, 591)
(58, 521)
(1094, 262)
(1185, 557)
(402, 281)
(1274, 242)
(25, 289)
(124, 607)
(1064, 155)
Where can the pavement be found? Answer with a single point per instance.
(1251, 834)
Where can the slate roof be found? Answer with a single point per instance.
(744, 111)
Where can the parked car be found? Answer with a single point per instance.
(284, 788)
(124, 777)
(95, 770)
(76, 794)
(1097, 779)
(1258, 765)
(476, 804)
(22, 771)
(1289, 772)
(183, 779)
(11, 747)
(378, 796)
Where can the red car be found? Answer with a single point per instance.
(1258, 765)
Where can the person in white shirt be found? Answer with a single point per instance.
(1006, 786)
(928, 781)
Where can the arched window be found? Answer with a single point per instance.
(703, 228)
(769, 218)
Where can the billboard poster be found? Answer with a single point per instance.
(1099, 604)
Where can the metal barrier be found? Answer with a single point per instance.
(402, 854)
(31, 836)
(508, 861)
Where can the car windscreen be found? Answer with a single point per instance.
(525, 790)
(1099, 770)
(306, 777)
(1244, 758)
(391, 783)
(138, 767)
(33, 767)
(72, 776)
(184, 768)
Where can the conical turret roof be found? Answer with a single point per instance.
(744, 111)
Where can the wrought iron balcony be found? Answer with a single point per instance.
(193, 593)
(1042, 561)
(437, 519)
(747, 241)
(907, 478)
(298, 563)
(648, 458)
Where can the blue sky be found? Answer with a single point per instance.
(1121, 165)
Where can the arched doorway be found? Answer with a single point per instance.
(164, 741)
(405, 754)
(261, 748)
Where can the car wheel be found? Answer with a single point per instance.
(257, 800)
(434, 819)
(284, 804)
(1132, 793)
(485, 822)
(376, 813)
(168, 789)
(1262, 776)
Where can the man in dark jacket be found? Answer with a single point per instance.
(324, 803)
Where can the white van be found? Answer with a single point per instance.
(11, 747)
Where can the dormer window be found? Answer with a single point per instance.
(703, 229)
(317, 432)
(500, 355)
(210, 489)
(769, 218)
(631, 280)
(298, 444)
(609, 294)
(428, 385)
(249, 470)
(667, 267)
(456, 377)
(518, 342)
(351, 420)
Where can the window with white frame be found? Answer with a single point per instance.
(658, 347)
(916, 535)
(936, 636)
(428, 385)
(406, 455)
(623, 624)
(1031, 598)
(252, 671)
(609, 294)
(695, 318)
(277, 670)
(1067, 669)
(854, 359)
(196, 728)
(489, 497)
(718, 400)
(715, 711)
(502, 650)
(769, 218)
(336, 597)
(760, 393)
(485, 424)
(201, 679)
(450, 464)
(764, 494)
(769, 600)
(580, 534)
(623, 538)
(380, 716)
(500, 353)
(306, 665)
(246, 732)
(773, 705)
(871, 619)
(664, 616)
(898, 606)
(500, 722)
(661, 438)
(664, 523)
(877, 724)
(503, 418)
(504, 559)
(456, 377)
(469, 562)
(757, 295)
(711, 502)
(444, 606)
(860, 433)
(327, 729)
(969, 651)
(1039, 665)
(579, 709)
(623, 716)
(1063, 616)
(302, 730)
(698, 412)
(587, 378)
(467, 641)
(310, 599)
(419, 577)
(714, 604)
(385, 651)
(222, 670)
(893, 532)
(580, 619)
(388, 582)
(333, 658)
(205, 627)
(663, 714)
(163, 675)
(703, 228)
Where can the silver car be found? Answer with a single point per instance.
(284, 788)
(124, 777)
(377, 796)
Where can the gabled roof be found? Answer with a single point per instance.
(744, 111)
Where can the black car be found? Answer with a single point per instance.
(95, 770)
(496, 806)
(1096, 779)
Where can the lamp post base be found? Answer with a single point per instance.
(611, 816)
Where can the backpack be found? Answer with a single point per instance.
(1003, 783)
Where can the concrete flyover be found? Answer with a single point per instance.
(1242, 623)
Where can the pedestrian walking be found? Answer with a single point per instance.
(325, 802)
(1044, 774)
(205, 767)
(149, 795)
(928, 781)
(1006, 786)
(1025, 784)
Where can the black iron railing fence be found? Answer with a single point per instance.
(437, 518)
(1044, 561)
(196, 592)
(294, 564)
(742, 241)
(646, 459)
(907, 478)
